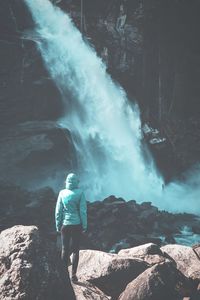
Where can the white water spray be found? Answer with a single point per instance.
(105, 127)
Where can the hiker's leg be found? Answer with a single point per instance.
(65, 239)
(76, 236)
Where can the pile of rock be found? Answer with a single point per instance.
(143, 272)
(31, 269)
(113, 223)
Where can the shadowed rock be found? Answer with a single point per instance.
(149, 253)
(109, 272)
(185, 257)
(118, 274)
(88, 291)
(161, 281)
(30, 268)
(33, 154)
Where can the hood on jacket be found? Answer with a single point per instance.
(72, 181)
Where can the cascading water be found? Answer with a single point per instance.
(105, 127)
(187, 237)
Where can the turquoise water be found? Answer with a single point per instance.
(105, 125)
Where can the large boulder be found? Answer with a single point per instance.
(118, 274)
(109, 272)
(91, 262)
(30, 268)
(141, 251)
(186, 259)
(162, 281)
(150, 253)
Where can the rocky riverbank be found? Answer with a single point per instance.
(31, 269)
(113, 224)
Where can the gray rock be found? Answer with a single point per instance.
(117, 274)
(141, 251)
(187, 261)
(196, 249)
(30, 268)
(149, 253)
(161, 281)
(88, 291)
(91, 262)
(109, 272)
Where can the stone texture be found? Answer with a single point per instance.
(30, 268)
(118, 274)
(88, 291)
(186, 259)
(161, 281)
(196, 249)
(141, 251)
(109, 272)
(91, 262)
(150, 253)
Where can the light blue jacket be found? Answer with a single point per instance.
(71, 206)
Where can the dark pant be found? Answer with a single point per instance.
(70, 236)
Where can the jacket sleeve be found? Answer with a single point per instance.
(83, 211)
(59, 213)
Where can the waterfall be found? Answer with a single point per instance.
(105, 125)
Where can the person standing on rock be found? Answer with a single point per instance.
(71, 221)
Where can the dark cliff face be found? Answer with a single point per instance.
(151, 47)
(27, 92)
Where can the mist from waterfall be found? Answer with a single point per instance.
(105, 126)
